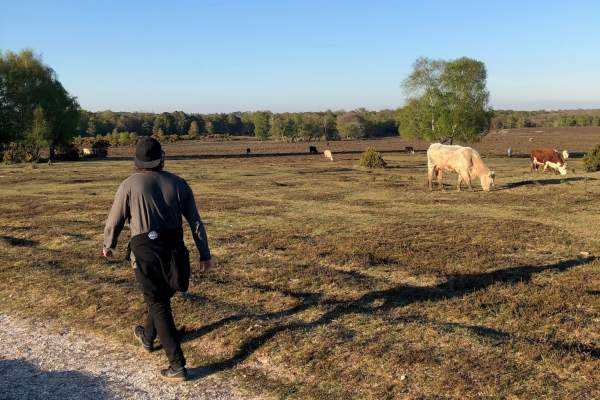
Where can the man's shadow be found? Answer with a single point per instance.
(24, 380)
(457, 285)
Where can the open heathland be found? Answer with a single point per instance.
(336, 282)
(577, 139)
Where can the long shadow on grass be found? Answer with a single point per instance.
(543, 182)
(498, 336)
(307, 300)
(456, 285)
(18, 242)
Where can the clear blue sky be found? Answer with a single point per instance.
(220, 56)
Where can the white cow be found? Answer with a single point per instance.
(465, 161)
(328, 155)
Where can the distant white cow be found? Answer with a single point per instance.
(465, 161)
(328, 155)
(87, 151)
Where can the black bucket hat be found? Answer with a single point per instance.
(148, 153)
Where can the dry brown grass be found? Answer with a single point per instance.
(333, 282)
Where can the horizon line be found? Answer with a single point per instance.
(549, 110)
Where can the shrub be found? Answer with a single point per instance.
(100, 147)
(31, 157)
(113, 138)
(591, 161)
(68, 153)
(14, 153)
(172, 138)
(124, 139)
(161, 138)
(78, 140)
(372, 159)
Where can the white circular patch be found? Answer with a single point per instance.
(152, 235)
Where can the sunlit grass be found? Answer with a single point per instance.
(334, 282)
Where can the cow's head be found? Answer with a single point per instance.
(487, 181)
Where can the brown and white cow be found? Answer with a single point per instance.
(549, 158)
(465, 161)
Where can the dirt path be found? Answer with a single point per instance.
(43, 361)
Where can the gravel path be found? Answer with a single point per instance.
(43, 361)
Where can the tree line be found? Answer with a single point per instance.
(264, 125)
(507, 119)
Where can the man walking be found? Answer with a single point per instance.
(153, 201)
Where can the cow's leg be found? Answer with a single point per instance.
(467, 179)
(458, 183)
(439, 179)
(430, 172)
(535, 165)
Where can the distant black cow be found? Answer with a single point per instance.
(248, 151)
(313, 150)
(409, 150)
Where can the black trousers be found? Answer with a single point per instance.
(152, 259)
(160, 322)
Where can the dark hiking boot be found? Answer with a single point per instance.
(174, 375)
(138, 332)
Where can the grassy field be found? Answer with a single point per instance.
(334, 282)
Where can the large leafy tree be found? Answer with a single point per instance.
(351, 125)
(329, 125)
(235, 126)
(26, 85)
(283, 127)
(194, 131)
(217, 124)
(261, 124)
(36, 136)
(181, 123)
(310, 125)
(165, 123)
(447, 101)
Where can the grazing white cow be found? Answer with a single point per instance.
(328, 155)
(87, 151)
(465, 161)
